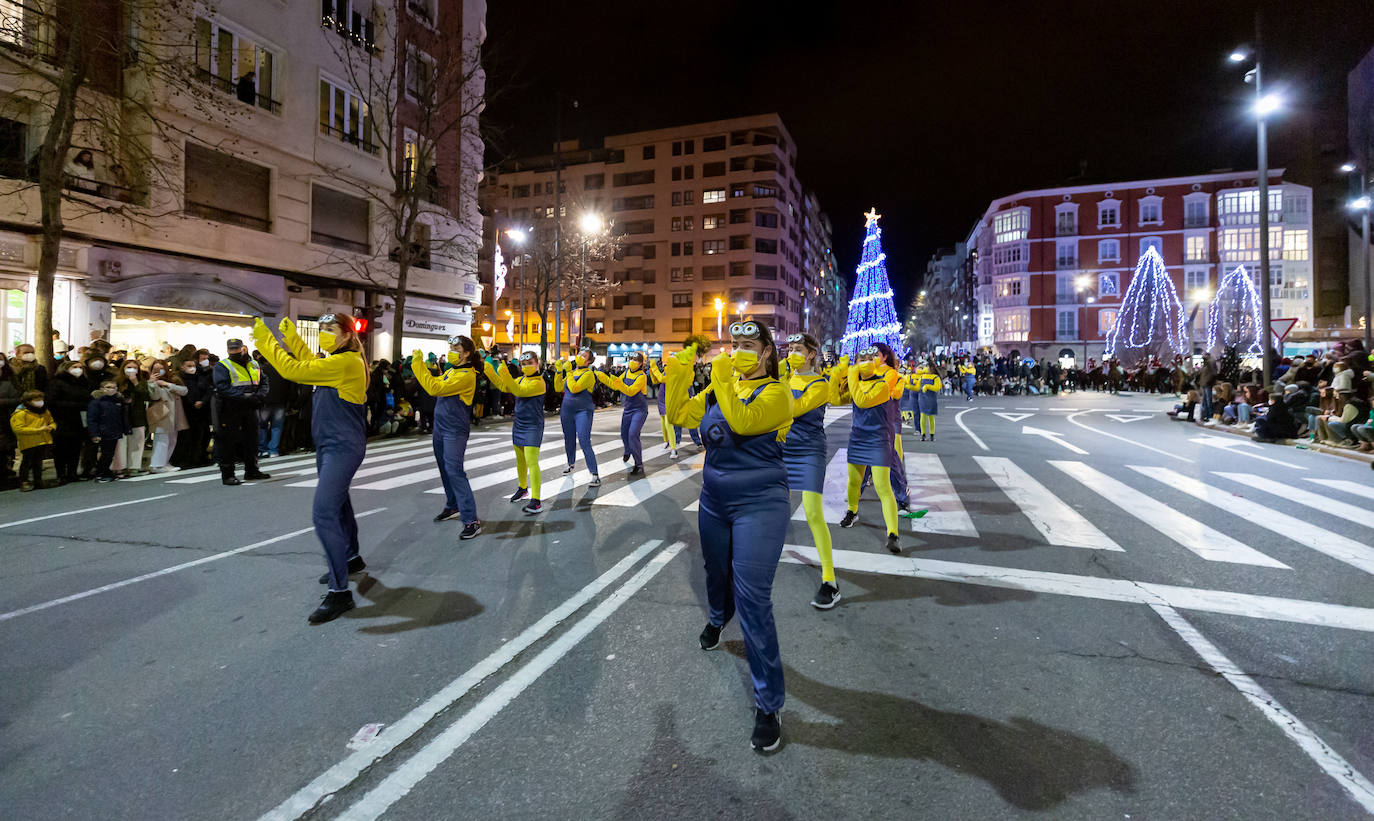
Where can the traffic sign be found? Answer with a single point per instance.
(1280, 328)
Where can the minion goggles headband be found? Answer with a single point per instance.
(342, 320)
(871, 350)
(748, 330)
(527, 356)
(455, 341)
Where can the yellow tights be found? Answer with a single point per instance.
(527, 468)
(882, 482)
(927, 424)
(820, 532)
(669, 432)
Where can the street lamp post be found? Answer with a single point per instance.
(590, 224)
(1363, 205)
(1081, 286)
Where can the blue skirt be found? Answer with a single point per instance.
(805, 466)
(528, 429)
(928, 402)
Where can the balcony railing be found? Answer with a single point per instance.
(352, 139)
(28, 29)
(1066, 263)
(339, 242)
(229, 87)
(218, 214)
(1066, 230)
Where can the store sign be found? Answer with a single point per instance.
(422, 324)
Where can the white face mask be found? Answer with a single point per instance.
(28, 357)
(76, 371)
(38, 405)
(205, 363)
(97, 365)
(131, 371)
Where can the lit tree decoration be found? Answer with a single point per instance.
(1233, 320)
(872, 316)
(1150, 322)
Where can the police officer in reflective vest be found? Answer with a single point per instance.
(240, 388)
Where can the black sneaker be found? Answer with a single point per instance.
(446, 514)
(932, 436)
(637, 470)
(355, 565)
(471, 530)
(334, 604)
(892, 545)
(767, 731)
(253, 477)
(826, 597)
(905, 507)
(625, 458)
(533, 507)
(227, 480)
(710, 637)
(596, 481)
(569, 469)
(850, 517)
(923, 437)
(519, 494)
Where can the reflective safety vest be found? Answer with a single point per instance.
(240, 375)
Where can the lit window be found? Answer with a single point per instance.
(1195, 248)
(1295, 245)
(712, 222)
(1109, 284)
(225, 59)
(712, 195)
(1010, 226)
(343, 114)
(1106, 320)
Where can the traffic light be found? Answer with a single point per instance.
(363, 318)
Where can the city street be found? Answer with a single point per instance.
(1107, 614)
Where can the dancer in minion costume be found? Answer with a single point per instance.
(452, 392)
(672, 435)
(804, 452)
(896, 461)
(338, 426)
(967, 375)
(870, 436)
(576, 380)
(527, 431)
(744, 508)
(926, 384)
(634, 384)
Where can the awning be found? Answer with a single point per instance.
(179, 316)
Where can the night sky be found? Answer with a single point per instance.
(930, 110)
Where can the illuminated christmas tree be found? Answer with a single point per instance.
(1151, 321)
(1233, 321)
(872, 316)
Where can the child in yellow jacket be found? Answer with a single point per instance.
(33, 427)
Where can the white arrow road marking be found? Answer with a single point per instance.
(1056, 521)
(1099, 432)
(1053, 437)
(1121, 417)
(1231, 443)
(1014, 417)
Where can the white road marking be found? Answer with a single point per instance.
(1233, 444)
(1014, 417)
(693, 507)
(504, 453)
(1226, 603)
(1332, 544)
(347, 771)
(84, 510)
(404, 778)
(1171, 455)
(1316, 502)
(931, 488)
(1330, 762)
(1210, 544)
(24, 611)
(509, 474)
(1054, 437)
(1126, 418)
(1347, 486)
(640, 490)
(282, 461)
(306, 465)
(1056, 521)
(834, 489)
(833, 415)
(368, 461)
(959, 420)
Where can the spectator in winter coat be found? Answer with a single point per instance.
(29, 375)
(166, 416)
(107, 423)
(1277, 423)
(9, 400)
(33, 426)
(134, 390)
(68, 396)
(272, 414)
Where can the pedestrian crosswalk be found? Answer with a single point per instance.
(1221, 517)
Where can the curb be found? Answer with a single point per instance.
(1355, 455)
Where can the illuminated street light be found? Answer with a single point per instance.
(1348, 168)
(518, 235)
(591, 223)
(1239, 56)
(1268, 104)
(1360, 203)
(1265, 104)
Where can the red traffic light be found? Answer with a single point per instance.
(360, 325)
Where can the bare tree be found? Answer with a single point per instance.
(424, 95)
(114, 77)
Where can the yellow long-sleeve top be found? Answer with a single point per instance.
(838, 377)
(870, 392)
(770, 411)
(924, 381)
(576, 379)
(896, 385)
(814, 392)
(630, 383)
(345, 371)
(657, 373)
(967, 370)
(459, 381)
(521, 386)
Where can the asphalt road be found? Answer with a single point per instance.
(1106, 615)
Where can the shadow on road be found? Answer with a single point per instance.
(415, 606)
(904, 588)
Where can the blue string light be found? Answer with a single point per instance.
(1151, 313)
(1236, 292)
(872, 316)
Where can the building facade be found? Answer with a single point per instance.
(256, 202)
(710, 223)
(1053, 265)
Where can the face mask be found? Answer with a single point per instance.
(205, 363)
(796, 360)
(327, 341)
(36, 404)
(131, 371)
(28, 357)
(529, 370)
(189, 371)
(744, 361)
(97, 365)
(110, 391)
(161, 372)
(634, 366)
(865, 369)
(454, 358)
(581, 361)
(240, 358)
(76, 371)
(59, 356)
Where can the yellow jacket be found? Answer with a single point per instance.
(459, 382)
(925, 381)
(521, 386)
(345, 371)
(32, 429)
(572, 376)
(770, 411)
(629, 383)
(814, 392)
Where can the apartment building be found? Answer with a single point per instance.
(256, 202)
(712, 225)
(1053, 264)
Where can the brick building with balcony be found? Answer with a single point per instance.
(1053, 265)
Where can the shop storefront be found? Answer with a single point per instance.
(618, 352)
(19, 281)
(427, 325)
